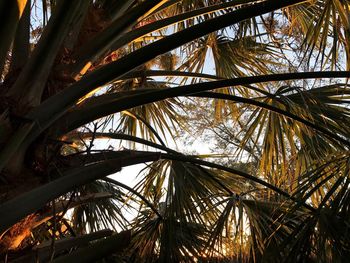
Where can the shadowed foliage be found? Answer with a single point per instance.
(88, 88)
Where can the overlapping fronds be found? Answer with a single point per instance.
(262, 82)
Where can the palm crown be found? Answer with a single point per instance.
(275, 105)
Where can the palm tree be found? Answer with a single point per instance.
(75, 73)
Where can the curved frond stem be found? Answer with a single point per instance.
(86, 114)
(120, 136)
(192, 159)
(15, 209)
(168, 73)
(166, 22)
(184, 158)
(54, 107)
(273, 109)
(148, 125)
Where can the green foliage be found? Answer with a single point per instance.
(90, 87)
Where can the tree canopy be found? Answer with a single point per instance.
(88, 88)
